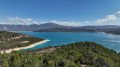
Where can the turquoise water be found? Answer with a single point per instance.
(108, 40)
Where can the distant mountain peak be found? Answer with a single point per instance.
(31, 27)
(50, 23)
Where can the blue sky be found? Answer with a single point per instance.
(64, 12)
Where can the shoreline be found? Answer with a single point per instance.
(81, 32)
(110, 33)
(20, 48)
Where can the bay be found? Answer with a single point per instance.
(56, 39)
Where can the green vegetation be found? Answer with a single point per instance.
(71, 55)
(12, 40)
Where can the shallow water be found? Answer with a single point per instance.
(108, 40)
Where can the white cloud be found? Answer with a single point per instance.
(27, 21)
(68, 23)
(35, 22)
(2, 23)
(109, 18)
(117, 14)
(20, 20)
(86, 22)
(43, 22)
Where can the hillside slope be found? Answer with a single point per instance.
(71, 55)
(10, 40)
(66, 30)
(89, 29)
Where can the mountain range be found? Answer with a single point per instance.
(32, 27)
(53, 27)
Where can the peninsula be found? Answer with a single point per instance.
(11, 41)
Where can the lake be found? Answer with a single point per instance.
(108, 40)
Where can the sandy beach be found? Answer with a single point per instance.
(20, 48)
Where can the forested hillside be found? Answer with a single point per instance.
(12, 40)
(71, 55)
(90, 29)
(66, 30)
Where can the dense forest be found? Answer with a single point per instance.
(13, 40)
(71, 55)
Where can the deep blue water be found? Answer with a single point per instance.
(108, 40)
